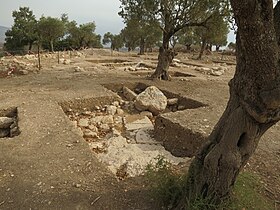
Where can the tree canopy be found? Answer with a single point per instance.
(53, 33)
(23, 32)
(171, 16)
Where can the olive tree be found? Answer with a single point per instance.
(253, 107)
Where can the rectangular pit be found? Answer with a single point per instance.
(179, 128)
(182, 104)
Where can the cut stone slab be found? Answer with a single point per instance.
(143, 136)
(184, 132)
(6, 122)
(141, 122)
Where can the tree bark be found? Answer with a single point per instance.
(253, 107)
(165, 58)
(142, 46)
(51, 45)
(203, 45)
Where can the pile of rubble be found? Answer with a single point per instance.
(121, 134)
(214, 71)
(21, 65)
(8, 127)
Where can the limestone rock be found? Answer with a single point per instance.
(143, 122)
(151, 99)
(143, 136)
(105, 127)
(6, 122)
(83, 122)
(111, 110)
(120, 112)
(90, 134)
(172, 101)
(147, 114)
(129, 94)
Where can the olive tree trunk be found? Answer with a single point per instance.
(165, 58)
(253, 107)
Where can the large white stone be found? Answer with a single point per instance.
(151, 99)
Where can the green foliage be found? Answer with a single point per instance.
(247, 194)
(215, 31)
(52, 33)
(23, 32)
(172, 16)
(170, 189)
(116, 41)
(83, 35)
(50, 30)
(167, 187)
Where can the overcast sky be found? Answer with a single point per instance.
(104, 13)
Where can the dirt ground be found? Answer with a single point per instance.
(50, 166)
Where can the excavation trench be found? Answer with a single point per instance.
(120, 136)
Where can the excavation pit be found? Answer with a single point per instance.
(182, 103)
(174, 127)
(9, 123)
(120, 138)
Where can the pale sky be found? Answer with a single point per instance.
(103, 12)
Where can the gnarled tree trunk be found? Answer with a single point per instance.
(165, 58)
(253, 107)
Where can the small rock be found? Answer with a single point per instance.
(14, 132)
(105, 127)
(79, 69)
(93, 128)
(115, 132)
(129, 94)
(147, 114)
(109, 119)
(66, 61)
(172, 101)
(120, 112)
(116, 103)
(90, 134)
(23, 72)
(78, 185)
(111, 110)
(83, 122)
(6, 122)
(97, 145)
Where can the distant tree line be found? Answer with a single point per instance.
(49, 32)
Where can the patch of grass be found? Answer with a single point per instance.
(247, 194)
(168, 188)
